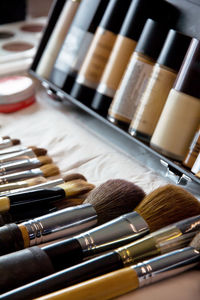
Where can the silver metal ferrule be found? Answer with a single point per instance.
(13, 149)
(166, 265)
(63, 223)
(5, 143)
(189, 225)
(19, 164)
(20, 175)
(117, 232)
(23, 154)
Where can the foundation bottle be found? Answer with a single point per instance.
(159, 85)
(137, 73)
(193, 151)
(139, 11)
(100, 49)
(77, 42)
(181, 114)
(196, 166)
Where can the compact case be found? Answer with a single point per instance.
(165, 166)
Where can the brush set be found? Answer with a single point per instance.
(112, 237)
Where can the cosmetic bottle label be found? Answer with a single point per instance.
(131, 88)
(116, 66)
(97, 57)
(153, 100)
(74, 49)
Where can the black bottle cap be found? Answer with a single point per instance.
(140, 10)
(188, 78)
(114, 15)
(152, 39)
(100, 10)
(174, 50)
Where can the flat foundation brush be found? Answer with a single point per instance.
(22, 154)
(5, 143)
(164, 205)
(118, 196)
(131, 278)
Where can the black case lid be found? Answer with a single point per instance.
(188, 78)
(114, 15)
(140, 10)
(152, 39)
(174, 50)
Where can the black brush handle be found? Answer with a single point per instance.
(11, 239)
(86, 270)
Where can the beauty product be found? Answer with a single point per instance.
(163, 76)
(5, 143)
(139, 11)
(181, 114)
(21, 153)
(99, 51)
(137, 73)
(194, 150)
(77, 43)
(16, 92)
(56, 39)
(196, 167)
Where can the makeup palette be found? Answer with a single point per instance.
(18, 44)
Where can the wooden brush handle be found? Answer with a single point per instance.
(103, 287)
(11, 239)
(23, 266)
(86, 270)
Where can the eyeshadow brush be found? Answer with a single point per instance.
(161, 207)
(24, 164)
(5, 143)
(15, 149)
(5, 188)
(23, 154)
(120, 282)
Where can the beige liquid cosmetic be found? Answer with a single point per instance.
(161, 81)
(137, 74)
(181, 114)
(194, 150)
(54, 44)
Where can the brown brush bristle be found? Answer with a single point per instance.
(50, 170)
(166, 205)
(73, 176)
(114, 198)
(6, 137)
(45, 159)
(195, 243)
(36, 180)
(15, 142)
(68, 203)
(39, 151)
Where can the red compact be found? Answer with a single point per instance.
(16, 92)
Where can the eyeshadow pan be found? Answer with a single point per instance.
(6, 34)
(32, 28)
(17, 46)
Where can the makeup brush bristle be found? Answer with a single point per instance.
(114, 198)
(50, 170)
(166, 205)
(195, 243)
(76, 187)
(39, 151)
(15, 142)
(6, 137)
(36, 180)
(68, 203)
(73, 176)
(45, 159)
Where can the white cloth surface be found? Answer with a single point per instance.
(75, 147)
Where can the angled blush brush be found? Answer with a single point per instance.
(131, 278)
(5, 143)
(164, 205)
(45, 170)
(22, 154)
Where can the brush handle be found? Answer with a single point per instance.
(13, 149)
(22, 154)
(20, 175)
(19, 164)
(5, 143)
(86, 270)
(22, 267)
(11, 239)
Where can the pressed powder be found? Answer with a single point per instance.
(159, 85)
(139, 11)
(100, 49)
(35, 28)
(17, 46)
(77, 42)
(194, 150)
(137, 73)
(6, 35)
(181, 114)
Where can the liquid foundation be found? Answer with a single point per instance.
(137, 74)
(97, 57)
(193, 151)
(139, 11)
(77, 43)
(159, 85)
(181, 114)
(54, 43)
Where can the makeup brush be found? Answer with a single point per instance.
(24, 164)
(21, 184)
(45, 170)
(5, 143)
(131, 278)
(15, 149)
(118, 196)
(23, 154)
(165, 202)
